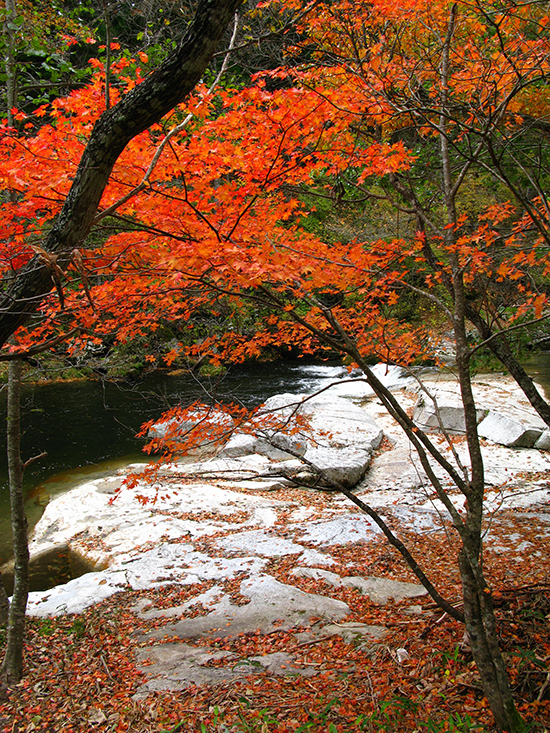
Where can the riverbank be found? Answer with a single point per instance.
(88, 428)
(86, 528)
(394, 468)
(226, 591)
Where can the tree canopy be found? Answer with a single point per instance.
(428, 117)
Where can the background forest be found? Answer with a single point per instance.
(185, 188)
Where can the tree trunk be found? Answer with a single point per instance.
(146, 104)
(499, 345)
(4, 602)
(484, 643)
(12, 665)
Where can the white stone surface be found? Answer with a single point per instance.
(340, 440)
(261, 543)
(205, 416)
(100, 529)
(333, 421)
(442, 410)
(76, 595)
(543, 443)
(508, 431)
(273, 605)
(380, 590)
(340, 530)
(137, 546)
(318, 574)
(275, 447)
(165, 563)
(504, 414)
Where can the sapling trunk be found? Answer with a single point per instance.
(12, 665)
(4, 603)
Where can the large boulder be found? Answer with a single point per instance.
(508, 431)
(442, 410)
(203, 415)
(335, 437)
(331, 466)
(337, 442)
(504, 421)
(277, 446)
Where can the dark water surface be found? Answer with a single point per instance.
(88, 428)
(538, 367)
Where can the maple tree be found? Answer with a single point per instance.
(172, 81)
(408, 106)
(136, 111)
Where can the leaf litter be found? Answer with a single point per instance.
(82, 671)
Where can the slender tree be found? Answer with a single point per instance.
(9, 58)
(12, 664)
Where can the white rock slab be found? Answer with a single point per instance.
(356, 633)
(120, 535)
(380, 590)
(339, 443)
(511, 469)
(76, 595)
(164, 564)
(260, 543)
(395, 470)
(176, 666)
(334, 421)
(508, 431)
(318, 574)
(345, 466)
(99, 531)
(342, 530)
(315, 557)
(273, 606)
(233, 468)
(353, 385)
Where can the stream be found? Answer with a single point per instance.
(88, 428)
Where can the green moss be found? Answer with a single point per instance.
(212, 370)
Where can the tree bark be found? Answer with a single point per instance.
(499, 345)
(146, 104)
(4, 602)
(12, 664)
(483, 638)
(478, 605)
